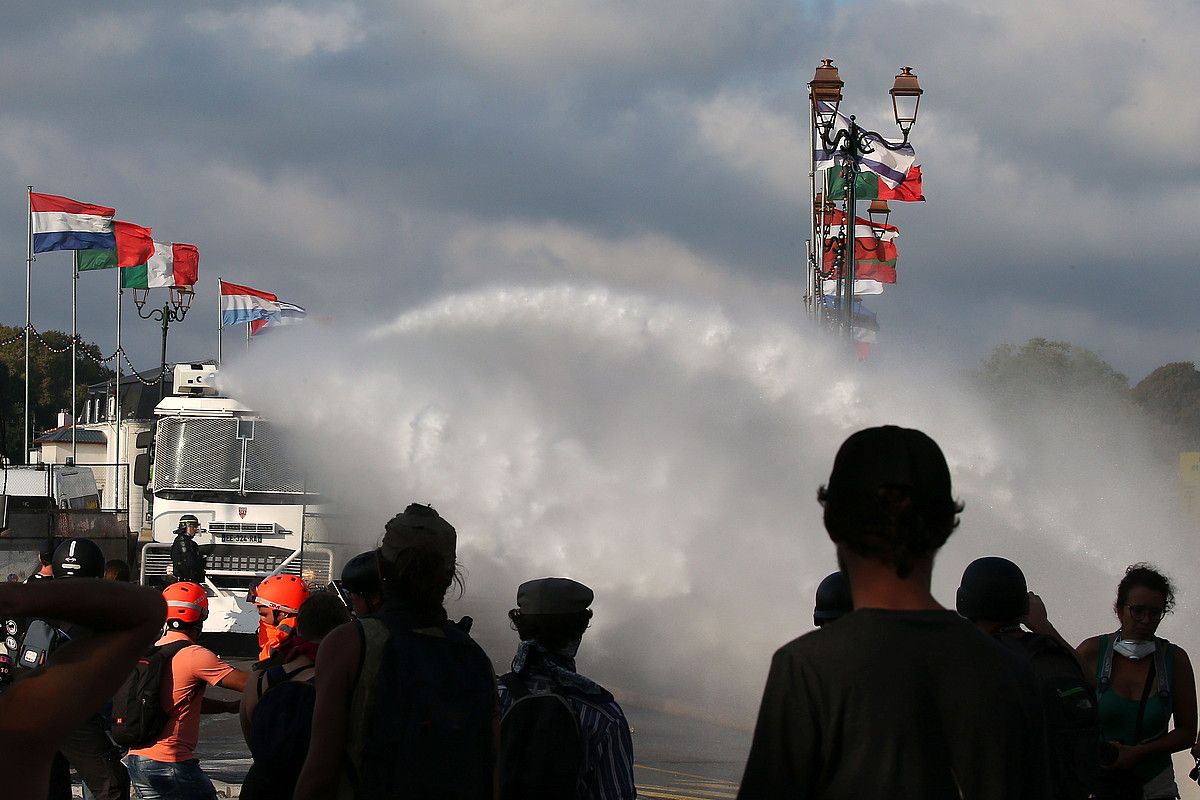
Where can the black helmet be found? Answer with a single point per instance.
(993, 588)
(833, 599)
(361, 574)
(78, 558)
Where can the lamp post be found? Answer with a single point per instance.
(850, 143)
(174, 310)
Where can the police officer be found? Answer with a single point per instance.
(187, 562)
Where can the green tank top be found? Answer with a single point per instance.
(1118, 715)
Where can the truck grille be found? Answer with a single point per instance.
(267, 528)
(314, 567)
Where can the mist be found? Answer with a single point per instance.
(668, 455)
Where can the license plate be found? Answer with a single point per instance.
(242, 538)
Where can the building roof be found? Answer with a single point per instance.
(63, 434)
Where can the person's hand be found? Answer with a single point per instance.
(1127, 756)
(1037, 619)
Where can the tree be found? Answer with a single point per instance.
(50, 389)
(1171, 396)
(1042, 369)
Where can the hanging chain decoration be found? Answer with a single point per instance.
(50, 347)
(135, 374)
(98, 359)
(13, 339)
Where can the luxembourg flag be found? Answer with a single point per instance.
(60, 223)
(289, 314)
(241, 304)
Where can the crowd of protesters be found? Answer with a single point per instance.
(370, 690)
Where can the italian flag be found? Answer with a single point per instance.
(172, 264)
(868, 186)
(134, 246)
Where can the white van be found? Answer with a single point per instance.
(35, 487)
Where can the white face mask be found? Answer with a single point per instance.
(1134, 649)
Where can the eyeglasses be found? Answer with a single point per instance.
(1146, 612)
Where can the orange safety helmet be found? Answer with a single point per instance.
(282, 592)
(187, 604)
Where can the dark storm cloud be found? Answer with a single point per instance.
(350, 156)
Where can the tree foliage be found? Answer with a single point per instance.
(1171, 395)
(50, 389)
(1042, 368)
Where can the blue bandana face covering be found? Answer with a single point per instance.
(1133, 649)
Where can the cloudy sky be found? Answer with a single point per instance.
(362, 158)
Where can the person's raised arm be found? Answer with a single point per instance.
(85, 673)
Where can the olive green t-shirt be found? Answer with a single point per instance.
(897, 704)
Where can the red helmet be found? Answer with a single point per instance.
(187, 603)
(282, 592)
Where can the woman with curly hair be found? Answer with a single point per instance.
(1143, 681)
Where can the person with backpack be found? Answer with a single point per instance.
(278, 600)
(277, 704)
(156, 713)
(1143, 682)
(406, 700)
(562, 735)
(44, 708)
(87, 749)
(993, 595)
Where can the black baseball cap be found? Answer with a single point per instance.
(889, 456)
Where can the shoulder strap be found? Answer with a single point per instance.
(1104, 663)
(515, 686)
(171, 650)
(1162, 648)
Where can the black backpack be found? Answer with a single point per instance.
(1071, 713)
(429, 728)
(541, 748)
(282, 720)
(138, 713)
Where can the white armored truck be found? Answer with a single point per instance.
(215, 458)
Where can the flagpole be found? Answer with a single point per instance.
(247, 337)
(74, 353)
(810, 290)
(117, 395)
(219, 322)
(849, 229)
(28, 281)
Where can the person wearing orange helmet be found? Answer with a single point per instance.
(278, 600)
(168, 767)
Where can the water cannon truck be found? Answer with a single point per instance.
(210, 456)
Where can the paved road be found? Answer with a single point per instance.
(676, 759)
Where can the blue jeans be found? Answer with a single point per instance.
(169, 780)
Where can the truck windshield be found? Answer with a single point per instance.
(205, 455)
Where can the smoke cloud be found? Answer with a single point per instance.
(668, 455)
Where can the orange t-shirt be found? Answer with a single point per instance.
(182, 692)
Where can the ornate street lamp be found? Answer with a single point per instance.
(849, 144)
(179, 301)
